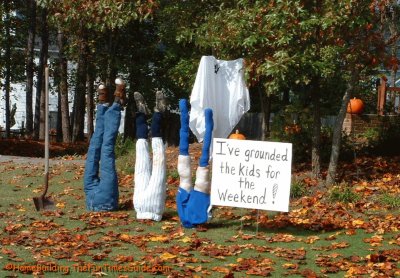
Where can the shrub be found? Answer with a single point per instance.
(285, 129)
(368, 140)
(388, 139)
(123, 146)
(392, 201)
(379, 141)
(125, 154)
(344, 194)
(298, 189)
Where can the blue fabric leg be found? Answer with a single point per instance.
(106, 194)
(183, 194)
(141, 126)
(156, 125)
(184, 130)
(182, 198)
(199, 202)
(205, 152)
(91, 176)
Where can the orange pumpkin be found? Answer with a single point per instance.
(355, 106)
(237, 135)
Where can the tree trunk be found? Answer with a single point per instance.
(30, 66)
(266, 111)
(42, 126)
(90, 101)
(337, 130)
(316, 133)
(59, 118)
(285, 97)
(39, 120)
(111, 65)
(7, 58)
(267, 115)
(130, 111)
(80, 93)
(79, 104)
(315, 99)
(130, 117)
(63, 89)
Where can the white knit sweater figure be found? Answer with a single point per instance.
(150, 180)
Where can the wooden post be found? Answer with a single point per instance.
(381, 96)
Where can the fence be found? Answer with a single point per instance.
(250, 125)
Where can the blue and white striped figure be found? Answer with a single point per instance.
(193, 202)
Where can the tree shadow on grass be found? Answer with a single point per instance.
(246, 221)
(272, 226)
(251, 228)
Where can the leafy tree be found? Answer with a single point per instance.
(11, 68)
(294, 44)
(359, 46)
(270, 38)
(175, 21)
(85, 23)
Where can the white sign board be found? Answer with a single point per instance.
(251, 174)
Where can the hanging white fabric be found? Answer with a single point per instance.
(219, 85)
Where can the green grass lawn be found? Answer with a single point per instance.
(316, 239)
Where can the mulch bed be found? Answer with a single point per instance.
(31, 148)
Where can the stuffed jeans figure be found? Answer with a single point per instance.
(193, 202)
(100, 178)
